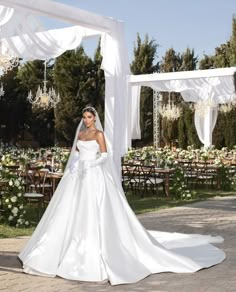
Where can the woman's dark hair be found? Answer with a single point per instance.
(89, 109)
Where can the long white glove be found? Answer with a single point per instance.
(92, 163)
(74, 162)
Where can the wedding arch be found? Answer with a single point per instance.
(207, 88)
(23, 35)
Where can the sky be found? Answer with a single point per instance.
(201, 25)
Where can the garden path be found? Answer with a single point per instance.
(216, 217)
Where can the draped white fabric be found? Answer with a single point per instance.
(5, 14)
(47, 44)
(205, 125)
(215, 86)
(135, 112)
(116, 67)
(33, 43)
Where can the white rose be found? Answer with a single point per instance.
(10, 218)
(17, 183)
(19, 195)
(9, 206)
(21, 207)
(14, 199)
(10, 183)
(26, 222)
(15, 210)
(7, 200)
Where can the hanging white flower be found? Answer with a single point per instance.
(19, 195)
(21, 207)
(26, 222)
(10, 183)
(7, 200)
(9, 206)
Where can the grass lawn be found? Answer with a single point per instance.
(154, 203)
(139, 206)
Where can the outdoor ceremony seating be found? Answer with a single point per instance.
(35, 183)
(136, 177)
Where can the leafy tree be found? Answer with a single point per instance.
(188, 60)
(144, 63)
(74, 75)
(222, 56)
(13, 107)
(171, 62)
(206, 62)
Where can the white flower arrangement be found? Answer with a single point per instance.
(13, 201)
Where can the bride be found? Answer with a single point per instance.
(89, 232)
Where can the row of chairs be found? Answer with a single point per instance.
(140, 178)
(203, 174)
(38, 188)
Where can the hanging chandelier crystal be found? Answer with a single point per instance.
(44, 98)
(7, 60)
(170, 111)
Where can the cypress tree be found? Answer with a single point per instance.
(233, 43)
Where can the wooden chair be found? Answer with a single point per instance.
(34, 188)
(151, 179)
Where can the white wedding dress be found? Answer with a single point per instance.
(90, 233)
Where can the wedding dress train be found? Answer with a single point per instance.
(90, 233)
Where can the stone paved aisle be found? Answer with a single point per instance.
(215, 217)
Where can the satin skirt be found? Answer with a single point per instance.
(89, 233)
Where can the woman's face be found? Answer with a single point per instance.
(88, 119)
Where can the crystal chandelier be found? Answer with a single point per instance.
(44, 98)
(170, 111)
(202, 107)
(7, 60)
(227, 107)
